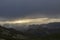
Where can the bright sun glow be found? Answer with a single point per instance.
(32, 21)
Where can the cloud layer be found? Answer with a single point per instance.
(29, 8)
(30, 21)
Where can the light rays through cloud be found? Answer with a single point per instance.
(31, 21)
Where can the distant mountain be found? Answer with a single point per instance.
(44, 29)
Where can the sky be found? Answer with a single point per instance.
(17, 9)
(29, 8)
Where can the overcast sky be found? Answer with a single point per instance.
(29, 8)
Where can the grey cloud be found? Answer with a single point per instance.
(28, 8)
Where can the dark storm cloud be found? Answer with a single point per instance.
(34, 8)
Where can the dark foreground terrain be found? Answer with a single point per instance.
(49, 31)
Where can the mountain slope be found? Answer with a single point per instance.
(50, 31)
(10, 34)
